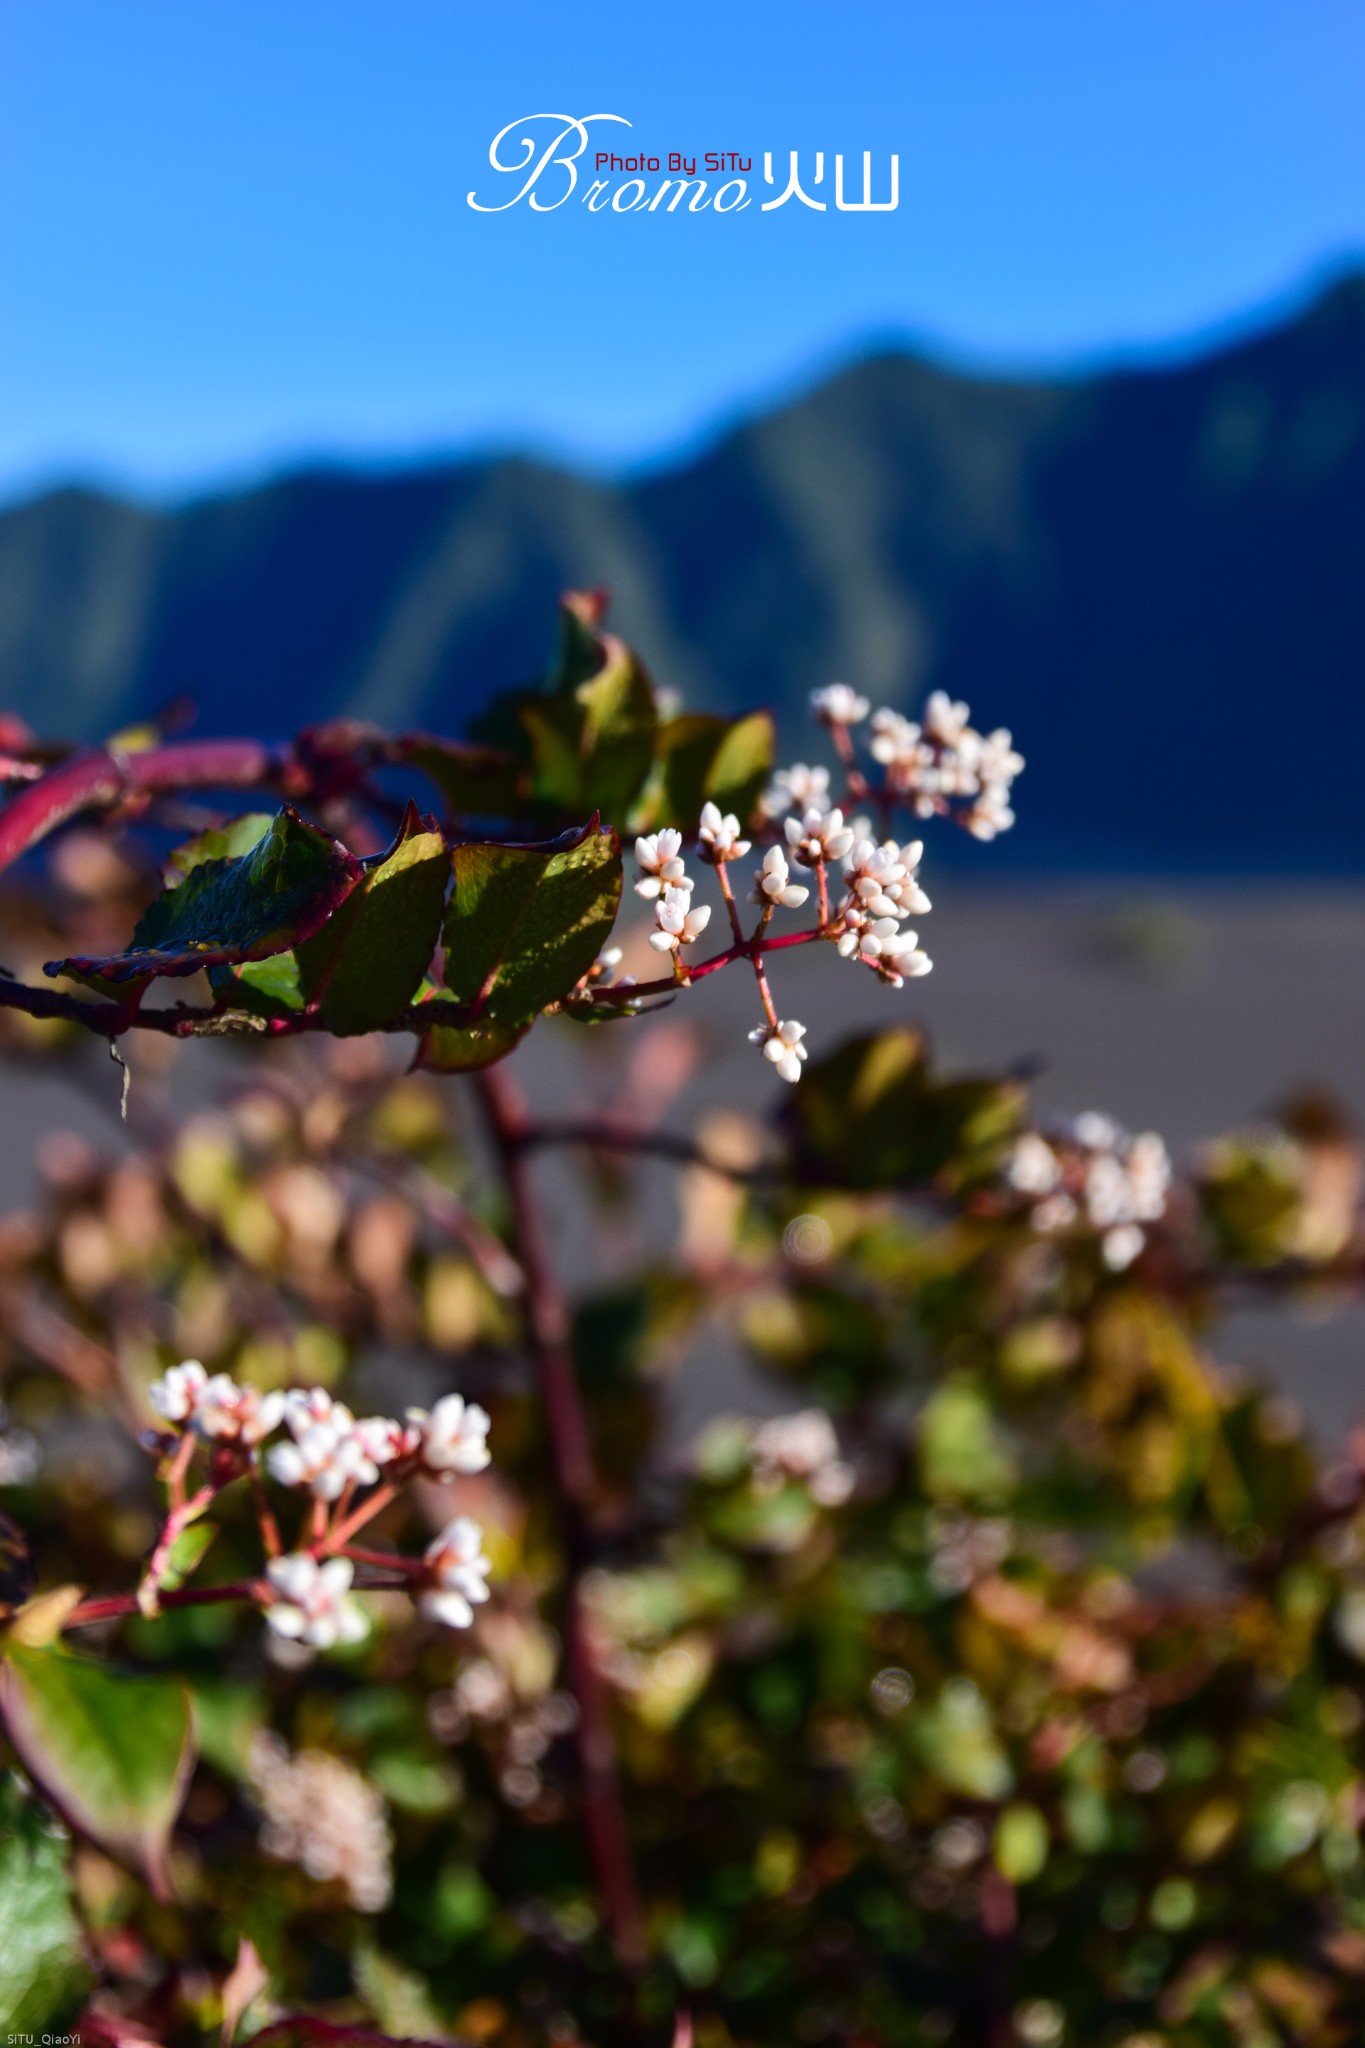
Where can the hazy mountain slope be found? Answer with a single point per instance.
(1157, 578)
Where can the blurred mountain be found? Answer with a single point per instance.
(1140, 572)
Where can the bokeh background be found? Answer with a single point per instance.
(1077, 433)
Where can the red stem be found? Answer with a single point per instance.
(743, 949)
(112, 1606)
(93, 781)
(183, 1020)
(547, 1323)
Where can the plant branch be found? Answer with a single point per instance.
(185, 1020)
(547, 1326)
(600, 1134)
(743, 949)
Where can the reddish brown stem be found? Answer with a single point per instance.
(600, 1134)
(743, 949)
(366, 1512)
(183, 1513)
(389, 1559)
(547, 1327)
(732, 908)
(94, 781)
(183, 1020)
(113, 1606)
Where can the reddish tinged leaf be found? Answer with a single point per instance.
(229, 910)
(112, 1754)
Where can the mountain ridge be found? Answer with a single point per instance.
(1138, 570)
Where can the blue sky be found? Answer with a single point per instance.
(233, 232)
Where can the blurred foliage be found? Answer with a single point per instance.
(1001, 1682)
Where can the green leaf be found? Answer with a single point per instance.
(593, 726)
(526, 922)
(961, 1452)
(464, 1048)
(228, 1716)
(956, 1740)
(477, 782)
(42, 1968)
(227, 910)
(395, 1994)
(1021, 1844)
(367, 962)
(220, 842)
(113, 1754)
(723, 761)
(264, 988)
(872, 1115)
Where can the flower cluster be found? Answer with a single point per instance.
(328, 1455)
(321, 1814)
(803, 1447)
(1090, 1170)
(866, 886)
(941, 760)
(883, 888)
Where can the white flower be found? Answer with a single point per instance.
(1054, 1212)
(1121, 1246)
(324, 1460)
(838, 705)
(996, 760)
(895, 740)
(881, 943)
(796, 1445)
(678, 924)
(382, 1440)
(453, 1437)
(782, 1046)
(459, 1573)
(1034, 1167)
(228, 1413)
(772, 883)
(175, 1396)
(1091, 1170)
(1149, 1176)
(797, 788)
(989, 815)
(881, 879)
(719, 836)
(944, 720)
(303, 1406)
(661, 867)
(311, 1604)
(818, 836)
(804, 1446)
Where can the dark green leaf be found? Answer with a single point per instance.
(525, 922)
(366, 963)
(872, 1115)
(477, 782)
(112, 1753)
(463, 1049)
(220, 842)
(42, 1969)
(723, 761)
(265, 988)
(235, 909)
